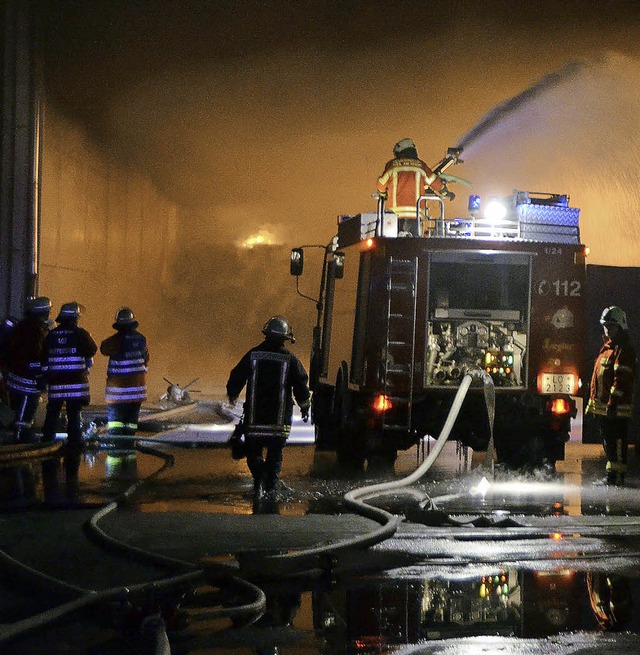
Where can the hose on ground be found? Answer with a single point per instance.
(280, 563)
(87, 597)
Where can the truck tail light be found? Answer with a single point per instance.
(559, 406)
(381, 403)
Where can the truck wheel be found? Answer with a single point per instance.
(348, 453)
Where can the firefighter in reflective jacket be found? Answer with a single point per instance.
(611, 391)
(404, 180)
(126, 374)
(272, 374)
(68, 356)
(25, 382)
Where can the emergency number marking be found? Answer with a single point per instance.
(560, 288)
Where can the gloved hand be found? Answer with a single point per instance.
(305, 413)
(612, 410)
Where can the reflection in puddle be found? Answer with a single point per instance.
(369, 613)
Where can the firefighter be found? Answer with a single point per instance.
(405, 178)
(25, 382)
(611, 391)
(272, 374)
(126, 379)
(68, 356)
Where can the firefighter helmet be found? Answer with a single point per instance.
(278, 326)
(402, 146)
(124, 317)
(68, 311)
(615, 315)
(40, 306)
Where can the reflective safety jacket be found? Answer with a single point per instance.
(274, 376)
(24, 354)
(68, 355)
(612, 379)
(404, 181)
(126, 372)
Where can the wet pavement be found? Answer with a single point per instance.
(524, 564)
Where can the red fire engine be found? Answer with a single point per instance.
(406, 308)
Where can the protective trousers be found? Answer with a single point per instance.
(265, 471)
(614, 434)
(122, 418)
(74, 420)
(24, 406)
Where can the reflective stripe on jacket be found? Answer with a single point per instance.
(24, 355)
(21, 384)
(612, 379)
(272, 374)
(128, 358)
(405, 181)
(69, 350)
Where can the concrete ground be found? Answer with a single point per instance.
(532, 522)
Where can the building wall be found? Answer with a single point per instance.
(108, 237)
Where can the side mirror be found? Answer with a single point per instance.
(296, 263)
(338, 265)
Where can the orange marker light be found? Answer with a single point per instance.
(382, 403)
(368, 244)
(556, 536)
(560, 406)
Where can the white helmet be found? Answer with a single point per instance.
(403, 145)
(615, 315)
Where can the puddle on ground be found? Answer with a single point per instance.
(377, 613)
(339, 611)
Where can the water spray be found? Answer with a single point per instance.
(513, 104)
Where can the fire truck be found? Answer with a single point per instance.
(407, 307)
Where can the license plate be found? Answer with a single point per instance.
(558, 383)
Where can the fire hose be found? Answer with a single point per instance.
(355, 499)
(153, 625)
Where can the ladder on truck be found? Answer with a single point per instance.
(399, 356)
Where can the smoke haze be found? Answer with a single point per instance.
(275, 117)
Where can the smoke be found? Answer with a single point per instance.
(220, 298)
(575, 132)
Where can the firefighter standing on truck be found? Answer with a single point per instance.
(25, 382)
(611, 391)
(272, 374)
(68, 356)
(126, 374)
(404, 180)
